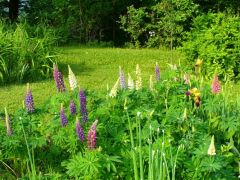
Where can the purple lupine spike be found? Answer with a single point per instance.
(29, 100)
(122, 79)
(157, 72)
(92, 136)
(63, 117)
(61, 82)
(73, 108)
(83, 104)
(216, 85)
(58, 78)
(55, 76)
(79, 130)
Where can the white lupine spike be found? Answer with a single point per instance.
(72, 79)
(130, 82)
(113, 92)
(151, 83)
(139, 78)
(211, 149)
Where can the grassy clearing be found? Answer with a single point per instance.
(94, 69)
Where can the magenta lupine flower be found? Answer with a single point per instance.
(91, 139)
(79, 130)
(122, 79)
(57, 75)
(157, 72)
(216, 85)
(63, 117)
(83, 106)
(72, 106)
(29, 100)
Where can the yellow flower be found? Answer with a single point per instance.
(195, 92)
(199, 62)
(211, 149)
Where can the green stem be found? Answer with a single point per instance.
(133, 153)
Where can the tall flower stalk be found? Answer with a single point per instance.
(157, 72)
(29, 104)
(211, 149)
(139, 78)
(79, 130)
(130, 82)
(73, 109)
(83, 105)
(63, 117)
(151, 83)
(72, 79)
(122, 79)
(8, 123)
(92, 135)
(216, 85)
(58, 78)
(113, 92)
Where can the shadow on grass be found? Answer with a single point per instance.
(77, 68)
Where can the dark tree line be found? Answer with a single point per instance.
(91, 20)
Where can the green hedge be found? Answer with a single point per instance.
(215, 38)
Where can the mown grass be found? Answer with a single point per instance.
(94, 69)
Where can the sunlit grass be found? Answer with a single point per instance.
(94, 69)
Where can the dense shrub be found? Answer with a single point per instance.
(162, 24)
(215, 38)
(26, 53)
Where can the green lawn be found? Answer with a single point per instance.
(94, 69)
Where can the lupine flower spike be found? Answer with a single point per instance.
(122, 79)
(151, 83)
(157, 72)
(72, 79)
(55, 75)
(186, 79)
(63, 117)
(29, 100)
(73, 108)
(216, 85)
(79, 130)
(91, 139)
(58, 79)
(61, 82)
(8, 123)
(113, 92)
(211, 149)
(83, 106)
(130, 82)
(139, 78)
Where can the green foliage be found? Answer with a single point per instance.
(162, 24)
(159, 133)
(215, 39)
(25, 56)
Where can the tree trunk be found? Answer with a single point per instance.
(13, 9)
